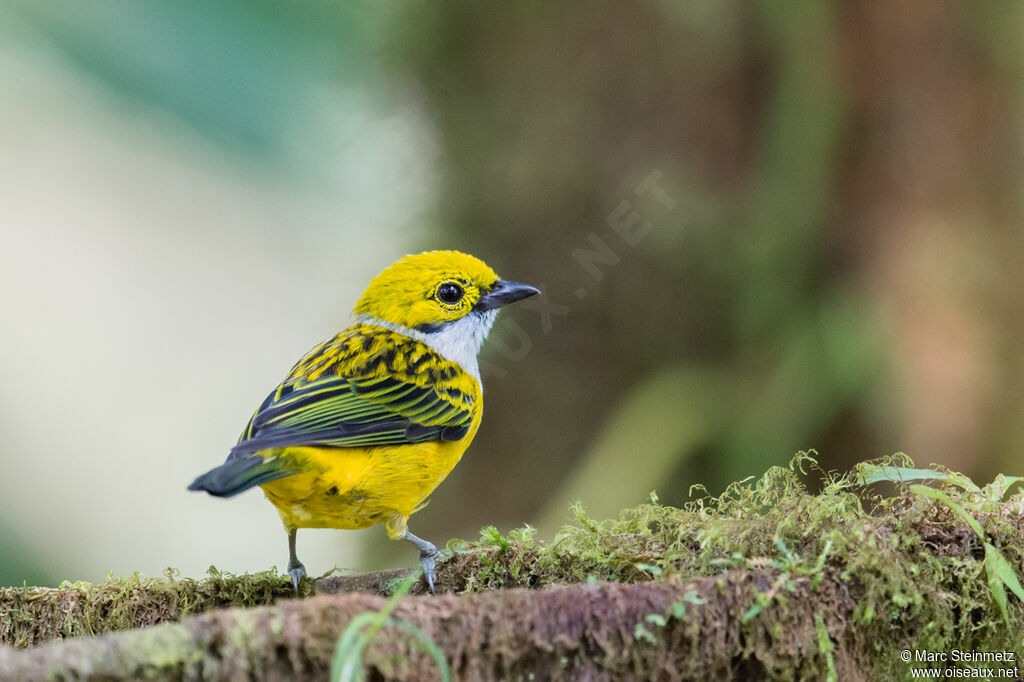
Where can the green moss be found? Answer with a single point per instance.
(911, 565)
(846, 578)
(35, 614)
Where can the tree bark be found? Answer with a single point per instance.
(590, 631)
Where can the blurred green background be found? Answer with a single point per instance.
(759, 227)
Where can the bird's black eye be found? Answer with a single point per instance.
(449, 292)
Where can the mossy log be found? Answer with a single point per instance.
(34, 615)
(764, 581)
(588, 630)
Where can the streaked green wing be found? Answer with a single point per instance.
(354, 412)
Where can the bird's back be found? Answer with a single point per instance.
(408, 416)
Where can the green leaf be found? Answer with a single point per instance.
(998, 567)
(752, 612)
(825, 647)
(997, 489)
(870, 473)
(642, 633)
(945, 499)
(656, 619)
(426, 644)
(995, 586)
(693, 597)
(649, 568)
(999, 571)
(347, 662)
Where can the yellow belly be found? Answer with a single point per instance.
(358, 487)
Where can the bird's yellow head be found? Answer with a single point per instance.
(448, 299)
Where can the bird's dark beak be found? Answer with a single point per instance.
(504, 292)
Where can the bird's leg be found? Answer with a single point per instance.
(295, 568)
(428, 554)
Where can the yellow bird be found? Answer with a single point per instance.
(369, 422)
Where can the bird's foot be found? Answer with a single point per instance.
(428, 561)
(297, 572)
(428, 558)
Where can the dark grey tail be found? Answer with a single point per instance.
(238, 475)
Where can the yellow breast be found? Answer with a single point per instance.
(358, 487)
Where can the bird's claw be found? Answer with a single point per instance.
(428, 560)
(297, 573)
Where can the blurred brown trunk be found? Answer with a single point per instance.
(925, 208)
(813, 152)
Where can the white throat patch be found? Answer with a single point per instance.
(457, 342)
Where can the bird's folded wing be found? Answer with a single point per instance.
(355, 412)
